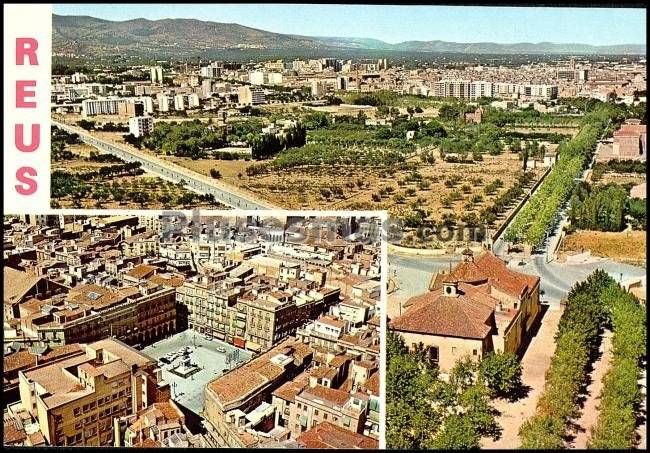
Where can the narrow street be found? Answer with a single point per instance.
(535, 362)
(590, 410)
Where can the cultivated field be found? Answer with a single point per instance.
(119, 191)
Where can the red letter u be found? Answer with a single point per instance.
(20, 138)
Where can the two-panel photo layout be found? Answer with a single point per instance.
(324, 226)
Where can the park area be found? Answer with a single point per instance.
(443, 173)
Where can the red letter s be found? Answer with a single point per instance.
(23, 175)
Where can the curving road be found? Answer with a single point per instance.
(172, 172)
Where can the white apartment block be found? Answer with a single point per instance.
(78, 77)
(186, 101)
(107, 106)
(264, 78)
(156, 74)
(148, 104)
(251, 96)
(192, 101)
(80, 91)
(112, 105)
(273, 78)
(256, 77)
(465, 89)
(164, 102)
(179, 102)
(213, 70)
(322, 87)
(140, 125)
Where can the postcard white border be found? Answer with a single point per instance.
(32, 21)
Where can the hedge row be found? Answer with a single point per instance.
(576, 345)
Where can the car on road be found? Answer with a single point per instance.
(221, 349)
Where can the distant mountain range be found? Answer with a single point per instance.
(90, 36)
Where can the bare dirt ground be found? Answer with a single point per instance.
(304, 186)
(589, 413)
(229, 169)
(621, 179)
(627, 246)
(535, 363)
(312, 188)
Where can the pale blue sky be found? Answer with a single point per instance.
(598, 26)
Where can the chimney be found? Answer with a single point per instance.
(468, 255)
(450, 288)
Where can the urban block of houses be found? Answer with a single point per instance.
(74, 400)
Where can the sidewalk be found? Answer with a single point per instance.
(589, 412)
(535, 362)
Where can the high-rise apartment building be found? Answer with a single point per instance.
(213, 70)
(156, 74)
(107, 106)
(179, 102)
(251, 96)
(140, 125)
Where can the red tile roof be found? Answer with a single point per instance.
(372, 384)
(327, 435)
(489, 268)
(290, 389)
(255, 374)
(13, 433)
(142, 271)
(630, 130)
(469, 315)
(23, 359)
(329, 395)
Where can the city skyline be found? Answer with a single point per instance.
(593, 26)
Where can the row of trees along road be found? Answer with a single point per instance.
(592, 305)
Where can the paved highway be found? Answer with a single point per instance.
(172, 172)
